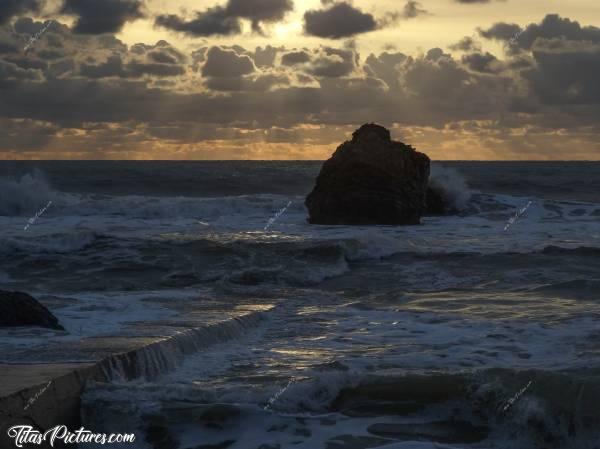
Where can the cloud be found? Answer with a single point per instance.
(95, 96)
(211, 22)
(466, 44)
(258, 11)
(160, 60)
(413, 9)
(9, 71)
(11, 8)
(332, 63)
(234, 69)
(106, 16)
(340, 20)
(386, 67)
(552, 26)
(566, 74)
(265, 57)
(295, 57)
(221, 63)
(501, 31)
(482, 62)
(225, 20)
(112, 67)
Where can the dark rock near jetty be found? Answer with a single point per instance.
(448, 432)
(20, 309)
(371, 180)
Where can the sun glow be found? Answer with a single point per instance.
(283, 31)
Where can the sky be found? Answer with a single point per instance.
(291, 79)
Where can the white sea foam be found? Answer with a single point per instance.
(451, 185)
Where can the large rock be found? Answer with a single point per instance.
(370, 180)
(435, 203)
(20, 309)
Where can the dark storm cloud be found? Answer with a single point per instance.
(501, 31)
(112, 67)
(467, 43)
(138, 68)
(11, 71)
(213, 21)
(233, 69)
(261, 83)
(295, 57)
(11, 8)
(327, 62)
(553, 26)
(333, 63)
(566, 74)
(258, 11)
(340, 20)
(386, 67)
(8, 43)
(222, 63)
(27, 62)
(105, 16)
(25, 135)
(265, 57)
(160, 60)
(60, 53)
(225, 20)
(435, 83)
(482, 62)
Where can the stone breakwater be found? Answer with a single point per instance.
(60, 404)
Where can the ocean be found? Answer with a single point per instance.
(475, 330)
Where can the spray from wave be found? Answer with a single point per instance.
(452, 187)
(26, 195)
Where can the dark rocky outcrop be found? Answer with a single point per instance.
(20, 309)
(435, 204)
(370, 180)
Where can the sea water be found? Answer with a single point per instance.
(460, 332)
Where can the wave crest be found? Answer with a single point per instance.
(452, 187)
(26, 195)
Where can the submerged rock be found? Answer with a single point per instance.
(371, 180)
(20, 309)
(450, 432)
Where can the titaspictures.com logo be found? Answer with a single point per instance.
(28, 435)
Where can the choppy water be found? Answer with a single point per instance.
(458, 332)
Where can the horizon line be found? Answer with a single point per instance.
(283, 160)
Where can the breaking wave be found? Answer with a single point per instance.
(451, 185)
(26, 195)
